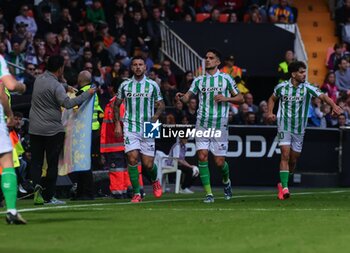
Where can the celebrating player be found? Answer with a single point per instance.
(294, 99)
(140, 95)
(9, 178)
(216, 90)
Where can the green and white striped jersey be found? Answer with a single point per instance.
(294, 105)
(139, 102)
(4, 71)
(211, 114)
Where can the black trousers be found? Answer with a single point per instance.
(187, 179)
(52, 147)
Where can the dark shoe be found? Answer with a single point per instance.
(228, 190)
(15, 219)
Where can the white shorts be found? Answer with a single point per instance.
(135, 141)
(6, 145)
(295, 141)
(217, 145)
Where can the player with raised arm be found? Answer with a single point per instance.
(294, 98)
(215, 90)
(140, 95)
(9, 178)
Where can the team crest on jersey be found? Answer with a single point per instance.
(146, 89)
(302, 91)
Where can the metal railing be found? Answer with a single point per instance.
(178, 51)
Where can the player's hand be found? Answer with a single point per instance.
(271, 117)
(178, 96)
(336, 110)
(72, 89)
(220, 98)
(10, 121)
(118, 130)
(154, 119)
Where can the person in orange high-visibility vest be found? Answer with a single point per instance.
(113, 150)
(236, 73)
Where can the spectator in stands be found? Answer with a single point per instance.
(239, 118)
(137, 30)
(70, 72)
(233, 18)
(153, 30)
(65, 20)
(21, 35)
(101, 53)
(341, 121)
(168, 92)
(46, 24)
(29, 78)
(329, 87)
(52, 44)
(249, 100)
(75, 10)
(26, 19)
(180, 9)
(236, 73)
(281, 13)
(3, 20)
(165, 74)
(214, 16)
(186, 81)
(148, 60)
(117, 25)
(16, 57)
(342, 76)
(177, 111)
(250, 118)
(262, 112)
(315, 115)
(55, 7)
(121, 50)
(153, 75)
(41, 54)
(283, 66)
(46, 129)
(342, 16)
(89, 34)
(191, 111)
(326, 120)
(95, 13)
(113, 74)
(335, 57)
(86, 57)
(103, 31)
(253, 15)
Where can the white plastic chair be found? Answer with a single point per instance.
(166, 169)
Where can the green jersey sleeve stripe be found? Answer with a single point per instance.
(219, 105)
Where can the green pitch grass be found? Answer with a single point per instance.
(253, 221)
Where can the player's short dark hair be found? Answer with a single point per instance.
(137, 58)
(55, 63)
(18, 114)
(214, 51)
(295, 66)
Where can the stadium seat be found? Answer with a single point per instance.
(224, 18)
(200, 17)
(165, 169)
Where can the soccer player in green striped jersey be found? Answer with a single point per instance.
(215, 90)
(8, 178)
(294, 98)
(140, 95)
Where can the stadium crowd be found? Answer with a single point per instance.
(101, 37)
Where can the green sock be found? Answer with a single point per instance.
(205, 176)
(9, 187)
(225, 171)
(291, 176)
(134, 178)
(153, 173)
(284, 176)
